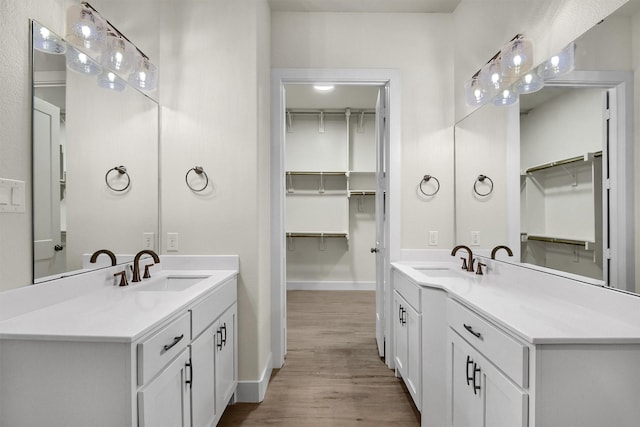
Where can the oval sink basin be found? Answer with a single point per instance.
(170, 284)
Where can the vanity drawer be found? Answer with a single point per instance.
(509, 355)
(212, 306)
(409, 290)
(160, 348)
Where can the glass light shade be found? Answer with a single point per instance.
(110, 80)
(118, 55)
(491, 78)
(145, 74)
(559, 64)
(506, 97)
(81, 62)
(85, 28)
(529, 83)
(475, 93)
(46, 41)
(516, 58)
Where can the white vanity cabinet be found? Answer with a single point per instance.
(182, 372)
(407, 335)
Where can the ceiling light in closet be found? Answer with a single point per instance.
(323, 88)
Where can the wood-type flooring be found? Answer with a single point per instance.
(332, 374)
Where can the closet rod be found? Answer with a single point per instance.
(317, 235)
(362, 193)
(327, 112)
(316, 173)
(562, 162)
(582, 243)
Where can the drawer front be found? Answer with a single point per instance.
(160, 348)
(511, 356)
(409, 290)
(212, 306)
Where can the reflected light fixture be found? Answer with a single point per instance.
(110, 80)
(145, 74)
(529, 83)
(507, 96)
(558, 64)
(323, 88)
(81, 62)
(46, 41)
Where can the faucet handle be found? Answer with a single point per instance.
(464, 263)
(147, 273)
(479, 269)
(123, 277)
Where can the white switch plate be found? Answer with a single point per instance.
(12, 196)
(148, 241)
(475, 238)
(172, 242)
(433, 238)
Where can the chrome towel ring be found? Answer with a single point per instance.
(426, 179)
(121, 171)
(199, 170)
(481, 179)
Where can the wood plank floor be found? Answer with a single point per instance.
(332, 374)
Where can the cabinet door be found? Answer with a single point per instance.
(165, 401)
(400, 334)
(506, 405)
(226, 376)
(413, 377)
(203, 351)
(466, 405)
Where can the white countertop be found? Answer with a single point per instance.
(537, 312)
(111, 313)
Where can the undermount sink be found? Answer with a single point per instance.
(437, 271)
(173, 283)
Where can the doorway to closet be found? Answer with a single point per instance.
(330, 190)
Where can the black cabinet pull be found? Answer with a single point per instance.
(400, 313)
(219, 335)
(476, 387)
(224, 338)
(474, 333)
(190, 380)
(176, 340)
(469, 363)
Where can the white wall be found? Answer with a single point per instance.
(419, 46)
(215, 86)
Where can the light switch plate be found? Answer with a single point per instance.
(475, 238)
(148, 241)
(433, 238)
(12, 196)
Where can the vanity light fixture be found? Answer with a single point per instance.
(560, 63)
(475, 92)
(46, 41)
(491, 77)
(120, 60)
(517, 57)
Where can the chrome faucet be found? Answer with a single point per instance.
(136, 262)
(497, 248)
(467, 264)
(111, 255)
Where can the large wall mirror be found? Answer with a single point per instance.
(562, 165)
(95, 167)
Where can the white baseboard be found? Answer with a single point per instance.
(254, 391)
(331, 286)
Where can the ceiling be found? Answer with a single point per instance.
(388, 6)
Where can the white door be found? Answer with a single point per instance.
(46, 187)
(380, 248)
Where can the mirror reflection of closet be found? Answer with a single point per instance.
(330, 185)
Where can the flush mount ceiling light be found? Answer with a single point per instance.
(120, 60)
(323, 88)
(46, 41)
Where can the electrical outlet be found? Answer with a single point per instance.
(475, 238)
(433, 238)
(172, 242)
(148, 240)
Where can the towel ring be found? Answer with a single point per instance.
(481, 178)
(121, 171)
(199, 170)
(428, 178)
